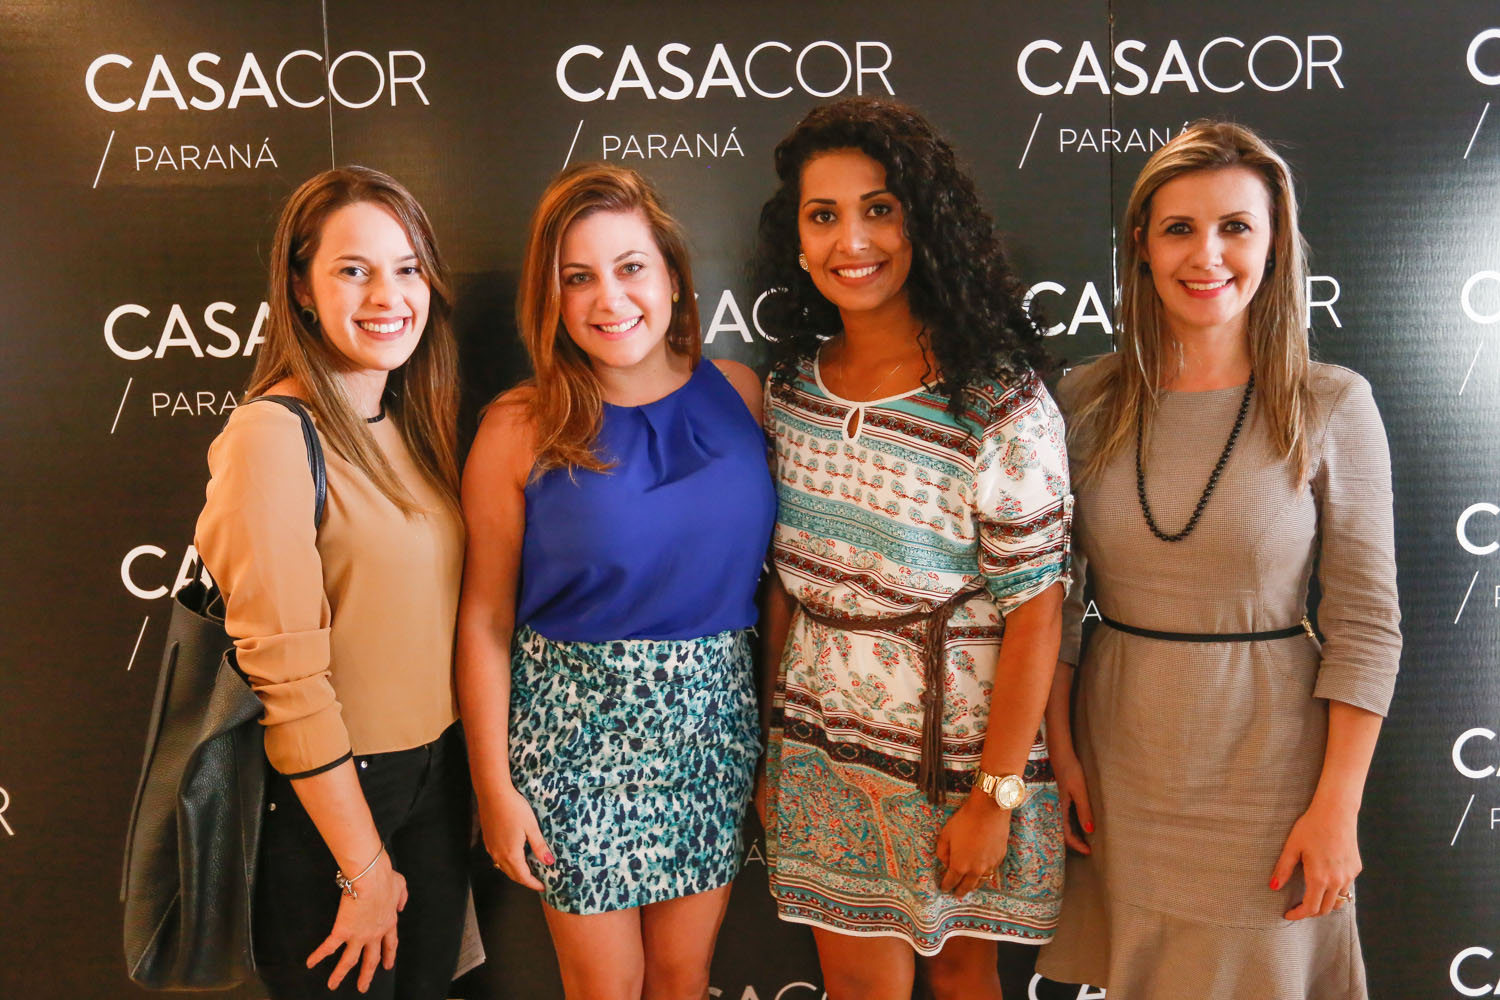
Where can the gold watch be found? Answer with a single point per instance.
(1008, 790)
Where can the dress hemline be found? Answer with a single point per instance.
(925, 953)
(655, 897)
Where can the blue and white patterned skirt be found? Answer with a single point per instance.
(638, 758)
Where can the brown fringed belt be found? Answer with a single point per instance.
(930, 766)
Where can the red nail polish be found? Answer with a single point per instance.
(1275, 883)
(550, 859)
(1088, 828)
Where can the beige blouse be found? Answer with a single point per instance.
(345, 631)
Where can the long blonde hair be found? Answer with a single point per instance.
(563, 396)
(422, 395)
(1129, 388)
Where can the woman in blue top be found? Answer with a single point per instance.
(619, 508)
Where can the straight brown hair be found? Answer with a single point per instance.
(421, 396)
(563, 397)
(1104, 425)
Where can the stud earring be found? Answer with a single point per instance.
(675, 297)
(802, 262)
(1270, 263)
(309, 317)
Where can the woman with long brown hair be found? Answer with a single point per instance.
(619, 507)
(345, 628)
(1222, 743)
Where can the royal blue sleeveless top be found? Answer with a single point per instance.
(667, 544)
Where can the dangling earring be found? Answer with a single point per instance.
(802, 262)
(309, 317)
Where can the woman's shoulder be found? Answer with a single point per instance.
(1332, 383)
(509, 415)
(258, 466)
(1003, 398)
(1343, 397)
(743, 380)
(259, 429)
(737, 372)
(505, 444)
(1081, 382)
(784, 385)
(1337, 389)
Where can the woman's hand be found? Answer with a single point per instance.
(509, 824)
(1325, 840)
(1073, 790)
(365, 927)
(972, 843)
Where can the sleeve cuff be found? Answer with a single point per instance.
(1033, 584)
(309, 743)
(1370, 694)
(319, 770)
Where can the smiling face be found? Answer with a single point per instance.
(616, 289)
(367, 287)
(1207, 242)
(853, 232)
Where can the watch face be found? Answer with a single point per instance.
(1011, 792)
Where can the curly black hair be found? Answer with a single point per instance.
(961, 287)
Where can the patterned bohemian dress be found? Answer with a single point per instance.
(888, 507)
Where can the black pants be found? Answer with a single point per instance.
(420, 799)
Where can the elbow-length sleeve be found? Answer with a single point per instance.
(1072, 391)
(1022, 499)
(1359, 614)
(1074, 608)
(256, 536)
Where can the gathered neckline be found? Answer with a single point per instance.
(661, 399)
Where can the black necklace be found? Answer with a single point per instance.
(1213, 479)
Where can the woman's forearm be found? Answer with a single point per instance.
(1346, 760)
(495, 516)
(337, 806)
(483, 680)
(775, 623)
(1023, 681)
(1059, 712)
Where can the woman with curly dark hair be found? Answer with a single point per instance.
(921, 549)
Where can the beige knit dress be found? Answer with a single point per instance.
(1200, 757)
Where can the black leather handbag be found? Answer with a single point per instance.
(190, 852)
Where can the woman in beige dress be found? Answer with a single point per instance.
(1220, 743)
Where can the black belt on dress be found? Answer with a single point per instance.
(1303, 627)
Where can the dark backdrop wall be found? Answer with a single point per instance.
(147, 145)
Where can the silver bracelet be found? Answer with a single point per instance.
(347, 884)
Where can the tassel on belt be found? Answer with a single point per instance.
(930, 765)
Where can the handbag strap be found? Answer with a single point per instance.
(315, 463)
(318, 468)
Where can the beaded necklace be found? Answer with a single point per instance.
(1213, 479)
